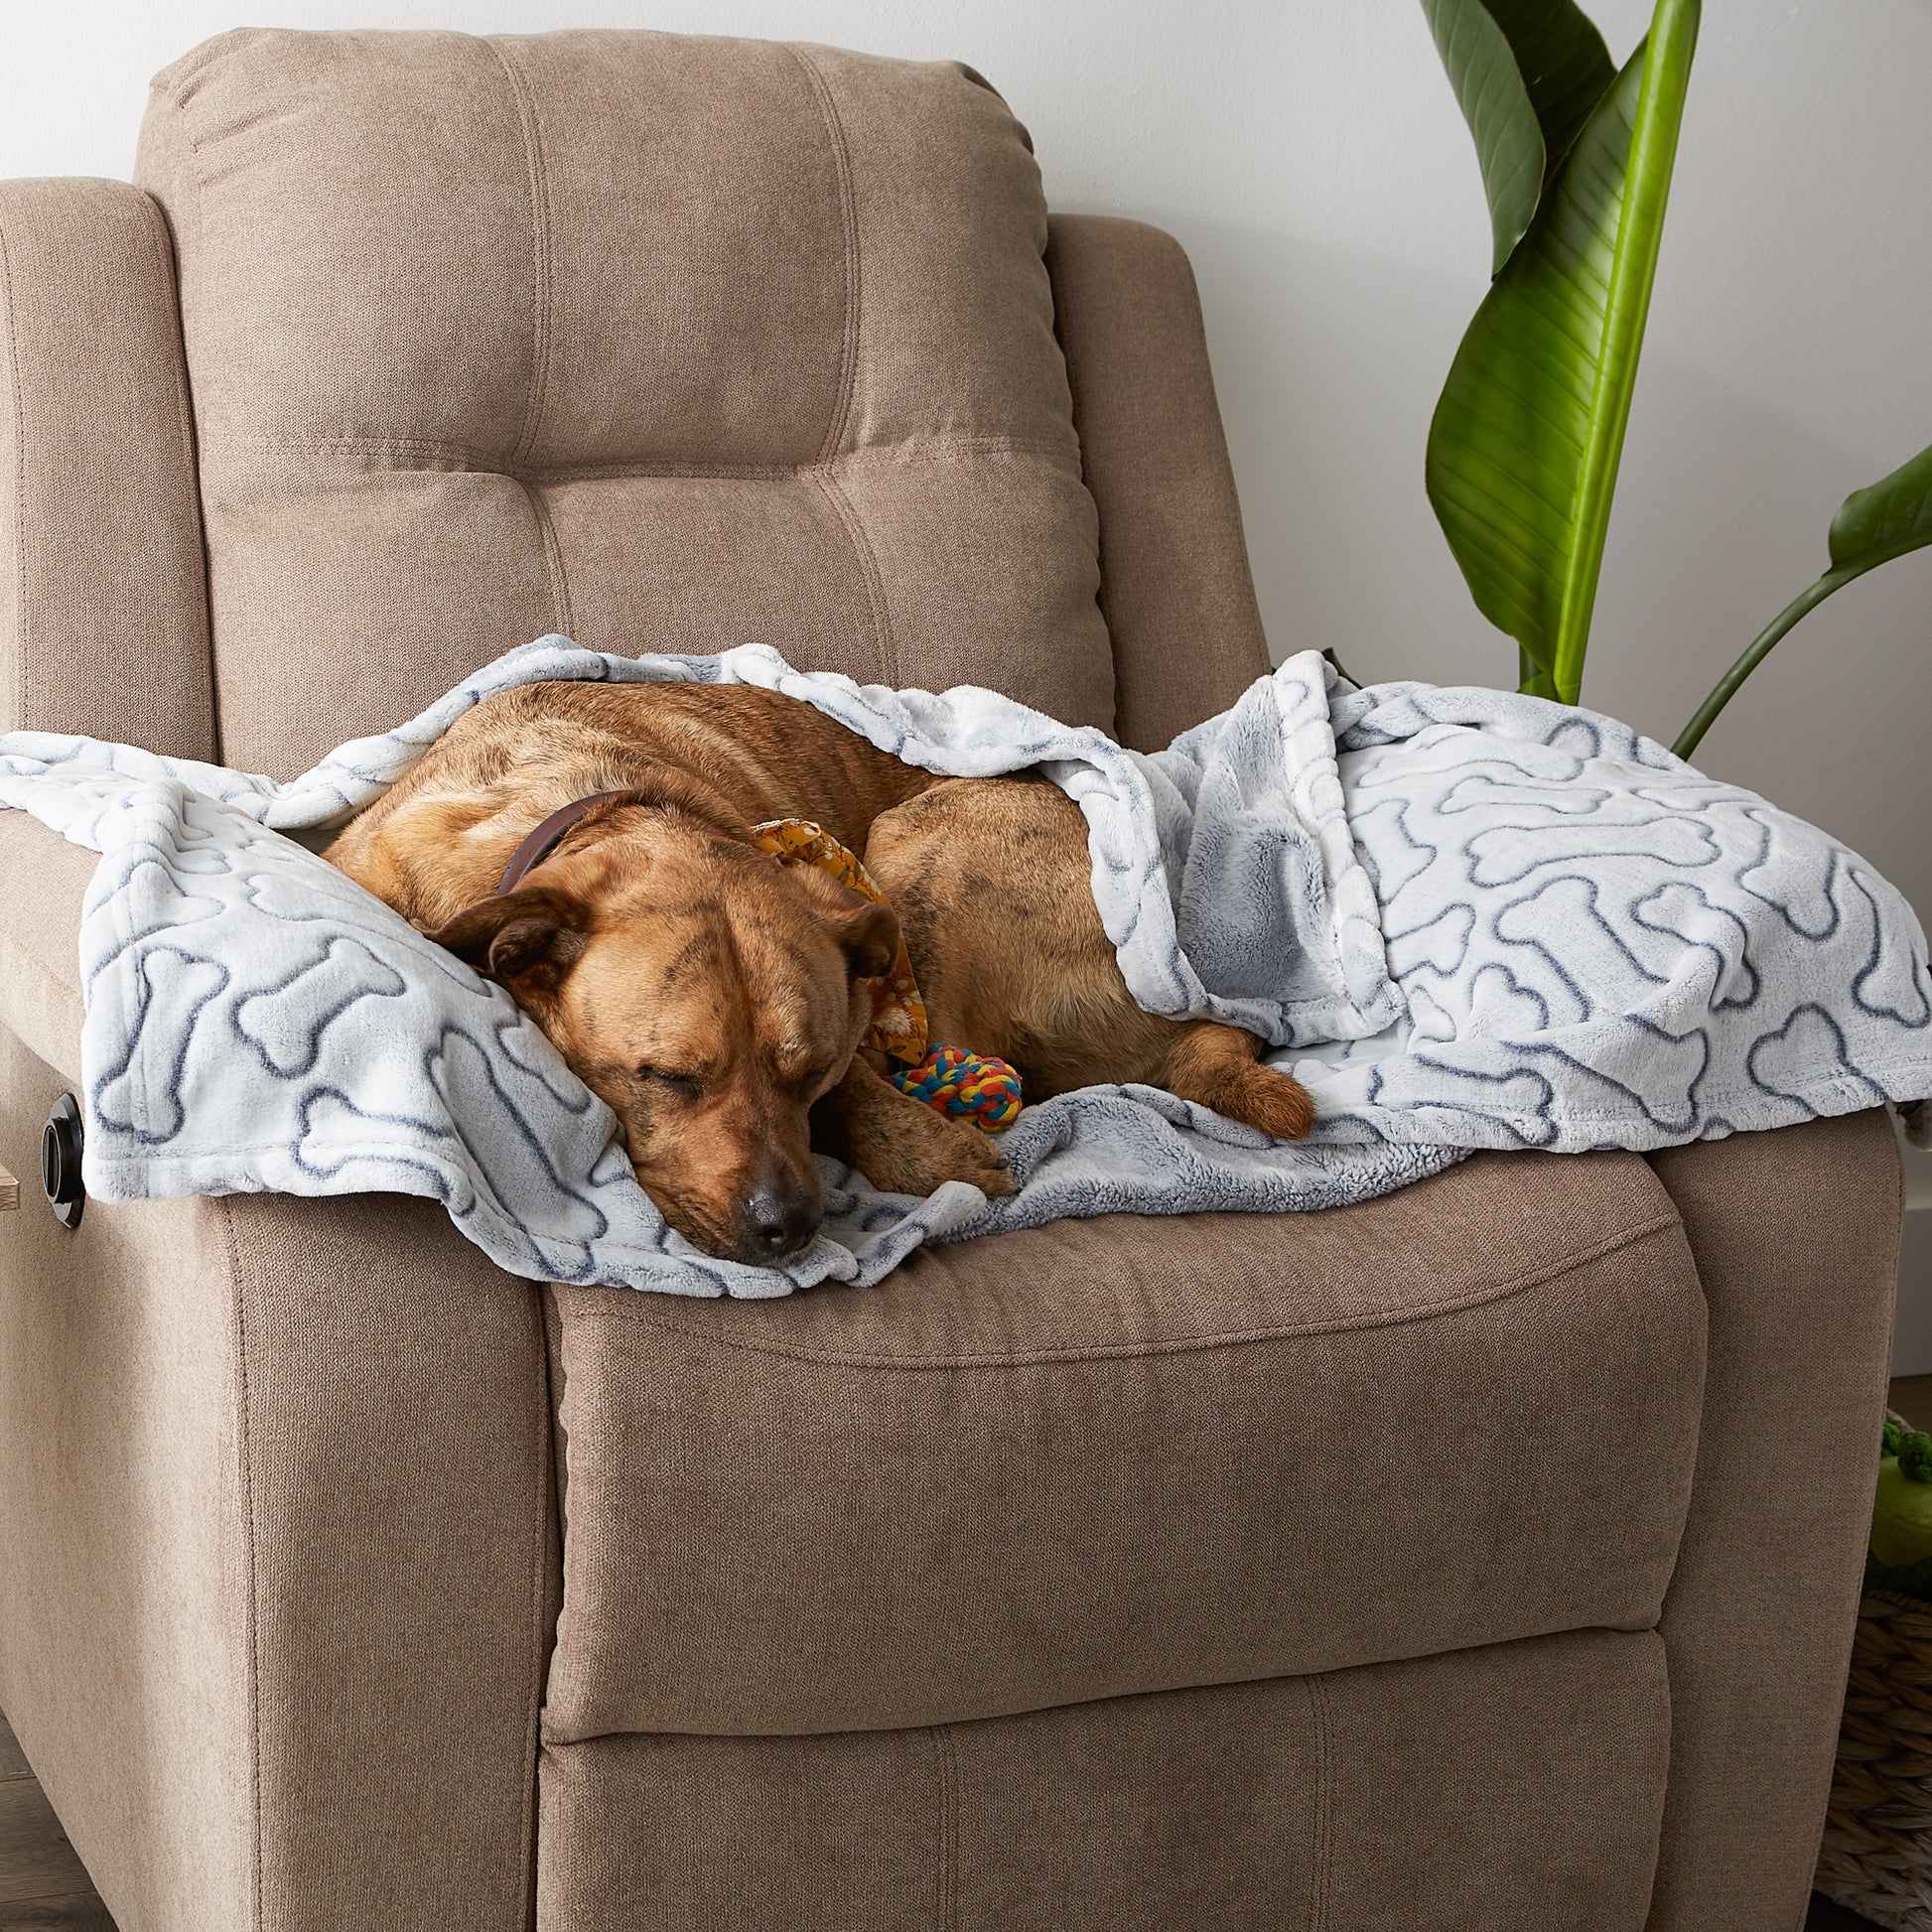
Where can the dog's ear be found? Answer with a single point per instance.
(525, 941)
(871, 940)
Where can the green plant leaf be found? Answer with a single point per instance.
(1526, 441)
(1496, 104)
(1892, 516)
(1564, 63)
(1525, 74)
(1871, 527)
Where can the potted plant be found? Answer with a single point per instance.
(1577, 156)
(1876, 1853)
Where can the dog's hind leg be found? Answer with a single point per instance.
(900, 1145)
(1220, 1067)
(990, 878)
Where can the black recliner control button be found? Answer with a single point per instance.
(61, 1142)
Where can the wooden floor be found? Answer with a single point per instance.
(1911, 1396)
(43, 1887)
(1825, 1917)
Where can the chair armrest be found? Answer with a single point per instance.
(278, 1507)
(280, 1560)
(1175, 583)
(103, 604)
(1795, 1235)
(42, 880)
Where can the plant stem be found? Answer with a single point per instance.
(1532, 680)
(1668, 49)
(1727, 686)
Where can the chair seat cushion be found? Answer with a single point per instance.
(1128, 1455)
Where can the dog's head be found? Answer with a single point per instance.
(709, 994)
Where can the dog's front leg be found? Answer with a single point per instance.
(900, 1145)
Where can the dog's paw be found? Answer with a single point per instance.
(921, 1162)
(1273, 1101)
(900, 1144)
(983, 1164)
(1220, 1067)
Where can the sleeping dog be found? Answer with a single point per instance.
(593, 848)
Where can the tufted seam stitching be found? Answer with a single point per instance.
(1321, 1850)
(881, 627)
(541, 250)
(1485, 1297)
(829, 487)
(232, 130)
(553, 556)
(945, 1904)
(252, 1610)
(188, 72)
(955, 449)
(848, 222)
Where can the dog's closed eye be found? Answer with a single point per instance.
(682, 1085)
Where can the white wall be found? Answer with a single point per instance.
(1310, 156)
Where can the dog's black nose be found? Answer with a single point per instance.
(779, 1224)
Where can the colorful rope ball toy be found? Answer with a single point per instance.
(974, 1086)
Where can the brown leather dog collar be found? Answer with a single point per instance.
(545, 837)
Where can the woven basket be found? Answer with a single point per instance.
(1877, 1855)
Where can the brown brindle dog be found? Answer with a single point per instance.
(714, 996)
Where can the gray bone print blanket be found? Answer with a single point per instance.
(1464, 918)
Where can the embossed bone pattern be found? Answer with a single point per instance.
(1469, 918)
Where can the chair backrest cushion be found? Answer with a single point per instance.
(666, 343)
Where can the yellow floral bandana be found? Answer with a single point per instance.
(898, 1012)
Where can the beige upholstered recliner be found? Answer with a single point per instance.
(1485, 1557)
